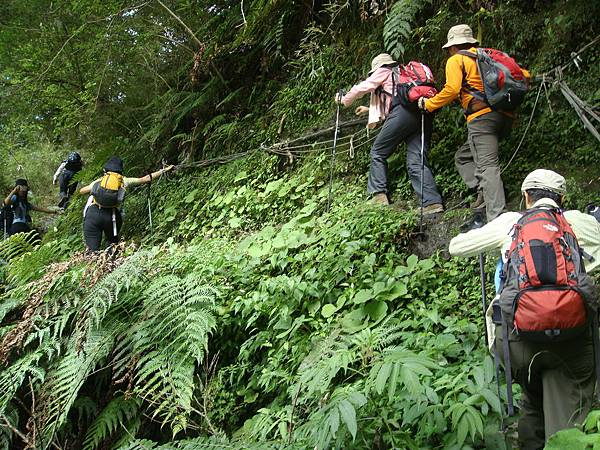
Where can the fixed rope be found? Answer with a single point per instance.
(281, 149)
(581, 107)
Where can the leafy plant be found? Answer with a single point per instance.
(398, 24)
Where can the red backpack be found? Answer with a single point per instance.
(411, 81)
(546, 295)
(504, 85)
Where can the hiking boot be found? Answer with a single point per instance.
(477, 221)
(380, 198)
(479, 202)
(434, 208)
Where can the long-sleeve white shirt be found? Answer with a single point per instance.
(497, 235)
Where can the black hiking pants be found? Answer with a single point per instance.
(99, 221)
(400, 126)
(67, 189)
(19, 227)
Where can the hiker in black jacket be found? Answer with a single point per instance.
(64, 174)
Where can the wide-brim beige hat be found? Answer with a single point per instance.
(547, 180)
(460, 34)
(383, 59)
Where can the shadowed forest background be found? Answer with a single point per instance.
(245, 315)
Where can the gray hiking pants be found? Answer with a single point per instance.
(477, 159)
(557, 385)
(403, 126)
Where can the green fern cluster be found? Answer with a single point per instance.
(398, 24)
(145, 336)
(18, 244)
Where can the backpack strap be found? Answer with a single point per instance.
(476, 93)
(416, 74)
(380, 89)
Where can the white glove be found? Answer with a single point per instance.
(421, 104)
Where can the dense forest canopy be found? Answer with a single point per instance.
(246, 315)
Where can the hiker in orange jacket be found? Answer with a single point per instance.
(477, 159)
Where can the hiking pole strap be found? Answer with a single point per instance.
(483, 293)
(596, 344)
(507, 368)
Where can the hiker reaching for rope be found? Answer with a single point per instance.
(394, 90)
(19, 202)
(102, 212)
(487, 108)
(547, 305)
(64, 174)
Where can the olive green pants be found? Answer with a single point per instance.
(557, 382)
(478, 163)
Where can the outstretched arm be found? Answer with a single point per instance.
(451, 91)
(44, 210)
(87, 189)
(58, 172)
(148, 178)
(367, 86)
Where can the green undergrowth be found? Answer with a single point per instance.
(247, 313)
(320, 332)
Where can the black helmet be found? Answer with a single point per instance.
(74, 157)
(114, 164)
(21, 182)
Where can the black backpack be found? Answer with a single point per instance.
(6, 218)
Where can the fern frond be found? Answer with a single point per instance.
(6, 434)
(323, 425)
(12, 377)
(18, 245)
(320, 367)
(398, 365)
(106, 292)
(397, 28)
(7, 305)
(170, 341)
(113, 417)
(63, 383)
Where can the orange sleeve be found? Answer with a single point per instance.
(451, 91)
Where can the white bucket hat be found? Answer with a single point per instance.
(460, 34)
(380, 60)
(546, 180)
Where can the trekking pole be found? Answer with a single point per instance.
(421, 234)
(422, 171)
(483, 294)
(335, 135)
(148, 192)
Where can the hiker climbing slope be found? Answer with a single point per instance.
(102, 212)
(19, 203)
(547, 303)
(64, 174)
(487, 122)
(393, 103)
